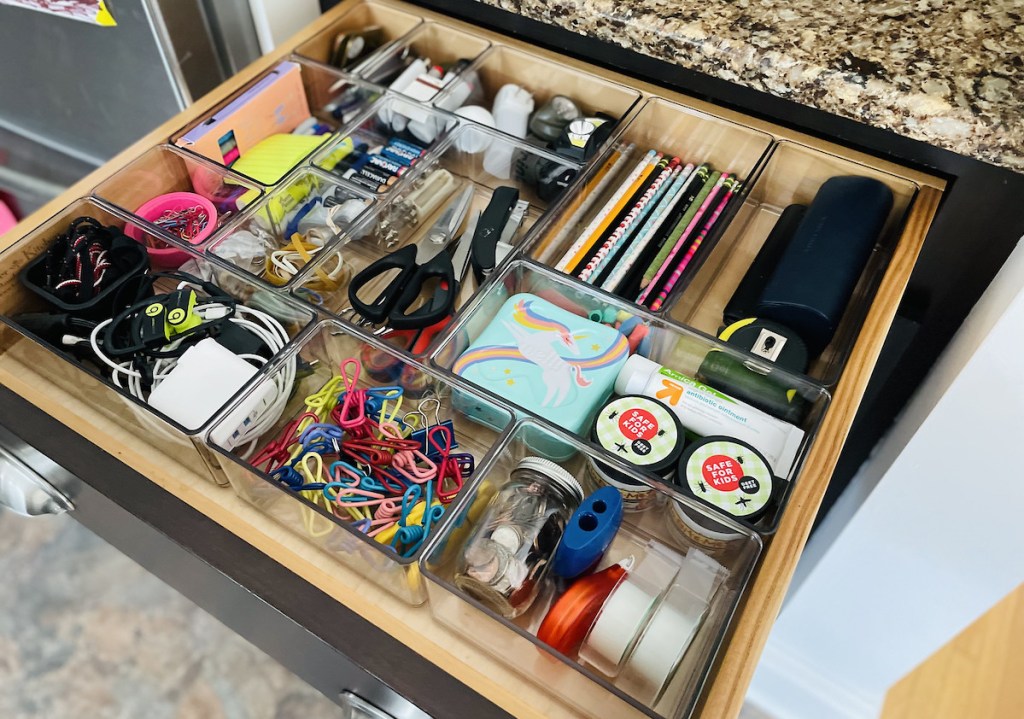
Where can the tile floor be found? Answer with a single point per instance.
(85, 633)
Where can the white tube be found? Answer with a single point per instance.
(707, 412)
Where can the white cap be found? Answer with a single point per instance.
(634, 375)
(556, 473)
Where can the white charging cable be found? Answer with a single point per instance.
(258, 323)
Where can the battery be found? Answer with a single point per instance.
(388, 166)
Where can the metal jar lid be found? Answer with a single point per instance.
(551, 470)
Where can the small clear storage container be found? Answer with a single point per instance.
(543, 80)
(427, 399)
(82, 379)
(672, 346)
(307, 217)
(384, 147)
(659, 627)
(226, 135)
(793, 175)
(434, 43)
(474, 159)
(166, 169)
(568, 239)
(339, 44)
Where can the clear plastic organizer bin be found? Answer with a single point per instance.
(644, 637)
(793, 175)
(384, 146)
(474, 162)
(59, 348)
(172, 191)
(303, 219)
(325, 357)
(354, 37)
(600, 238)
(553, 348)
(587, 95)
(279, 120)
(434, 44)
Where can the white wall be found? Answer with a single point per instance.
(936, 541)
(278, 20)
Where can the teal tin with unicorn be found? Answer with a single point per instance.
(549, 361)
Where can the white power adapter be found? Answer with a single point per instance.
(205, 377)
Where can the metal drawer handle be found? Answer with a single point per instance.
(25, 492)
(358, 708)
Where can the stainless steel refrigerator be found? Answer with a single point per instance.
(73, 94)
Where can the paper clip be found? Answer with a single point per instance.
(321, 432)
(353, 411)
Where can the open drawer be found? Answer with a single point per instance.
(779, 165)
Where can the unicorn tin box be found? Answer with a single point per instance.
(549, 361)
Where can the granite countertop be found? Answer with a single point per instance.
(947, 72)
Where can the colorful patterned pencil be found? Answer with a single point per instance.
(729, 184)
(650, 230)
(636, 215)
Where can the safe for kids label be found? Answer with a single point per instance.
(640, 430)
(729, 475)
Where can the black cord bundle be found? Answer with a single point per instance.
(84, 260)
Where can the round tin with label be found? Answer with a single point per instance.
(642, 431)
(636, 496)
(689, 525)
(729, 475)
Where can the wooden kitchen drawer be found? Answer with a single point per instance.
(35, 373)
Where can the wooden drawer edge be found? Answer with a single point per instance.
(766, 591)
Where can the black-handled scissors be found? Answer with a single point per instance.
(417, 264)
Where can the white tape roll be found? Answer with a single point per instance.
(621, 620)
(661, 648)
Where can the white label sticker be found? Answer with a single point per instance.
(769, 345)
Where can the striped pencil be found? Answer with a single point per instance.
(707, 178)
(597, 226)
(731, 184)
(650, 230)
(587, 196)
(636, 215)
(677, 248)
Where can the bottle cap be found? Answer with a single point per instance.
(642, 431)
(556, 473)
(634, 375)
